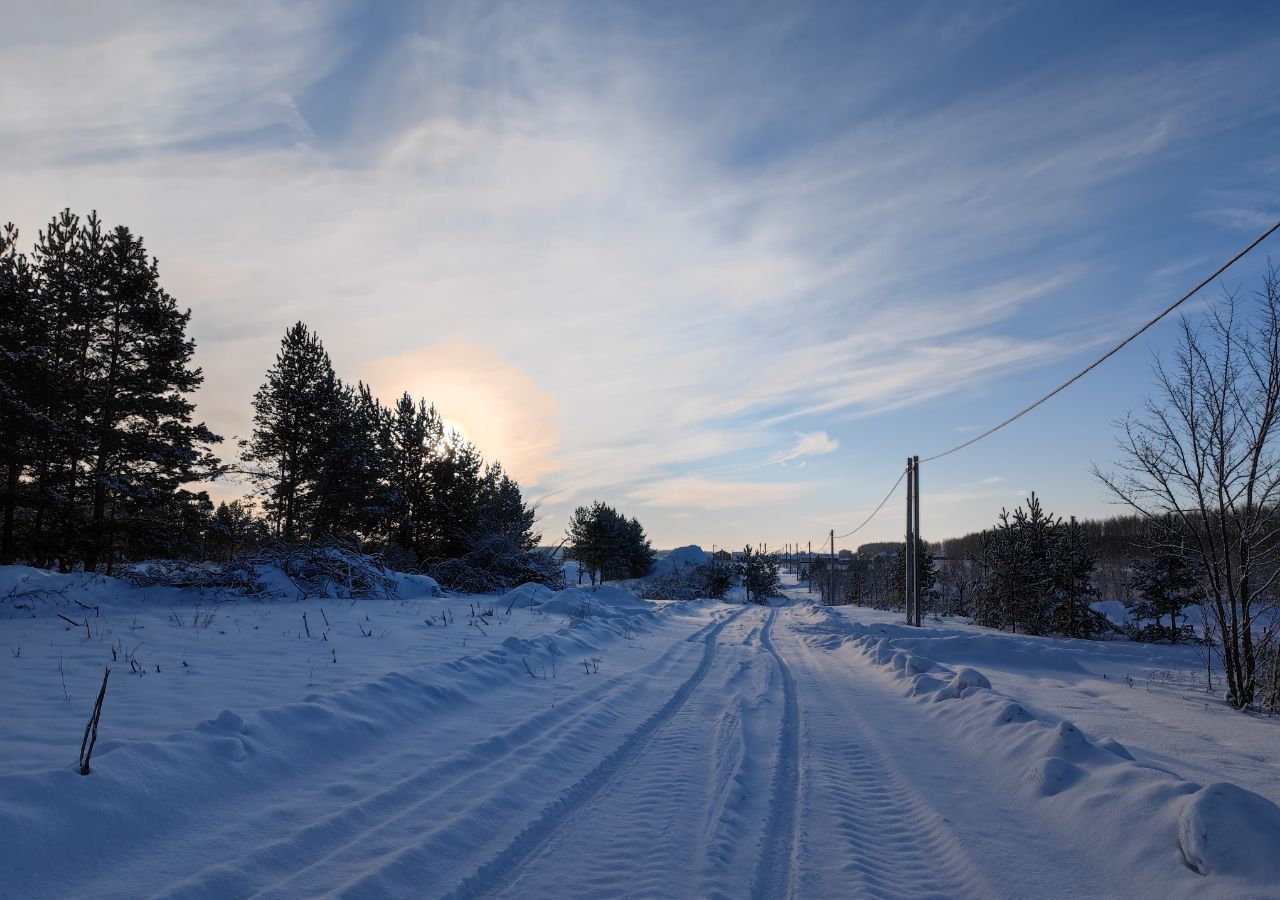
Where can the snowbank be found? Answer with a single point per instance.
(681, 558)
(602, 601)
(1226, 830)
(149, 772)
(1004, 651)
(1138, 812)
(526, 596)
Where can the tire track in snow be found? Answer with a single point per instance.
(684, 817)
(867, 832)
(775, 865)
(329, 850)
(499, 871)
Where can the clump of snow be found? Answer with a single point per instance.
(526, 596)
(1113, 746)
(1225, 830)
(1115, 611)
(602, 601)
(680, 559)
(1053, 775)
(415, 587)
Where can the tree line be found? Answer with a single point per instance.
(97, 438)
(607, 545)
(103, 461)
(329, 459)
(1200, 472)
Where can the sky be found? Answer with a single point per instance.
(723, 266)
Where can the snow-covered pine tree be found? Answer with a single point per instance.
(1016, 559)
(758, 573)
(1072, 563)
(1166, 586)
(926, 572)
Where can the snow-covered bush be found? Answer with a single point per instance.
(332, 568)
(690, 583)
(239, 576)
(758, 573)
(317, 569)
(497, 562)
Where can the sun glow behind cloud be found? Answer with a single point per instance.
(491, 402)
(621, 261)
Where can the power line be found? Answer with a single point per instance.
(1112, 352)
(877, 509)
(1066, 384)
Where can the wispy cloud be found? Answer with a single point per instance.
(813, 443)
(700, 492)
(656, 257)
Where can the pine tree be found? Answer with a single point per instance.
(24, 337)
(639, 551)
(232, 528)
(416, 434)
(1073, 564)
(1166, 585)
(503, 510)
(607, 544)
(454, 478)
(293, 413)
(926, 572)
(758, 573)
(140, 443)
(353, 487)
(67, 310)
(94, 384)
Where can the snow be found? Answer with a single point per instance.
(681, 558)
(1115, 611)
(510, 746)
(526, 596)
(1151, 698)
(1225, 830)
(600, 601)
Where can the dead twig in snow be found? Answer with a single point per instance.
(91, 730)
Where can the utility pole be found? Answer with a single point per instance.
(916, 548)
(808, 567)
(831, 576)
(909, 554)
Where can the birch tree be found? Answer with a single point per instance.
(1199, 462)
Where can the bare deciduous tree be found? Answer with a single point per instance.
(1200, 463)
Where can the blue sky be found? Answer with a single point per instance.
(723, 265)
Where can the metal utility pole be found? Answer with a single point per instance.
(908, 562)
(808, 567)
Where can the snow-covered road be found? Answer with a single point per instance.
(708, 750)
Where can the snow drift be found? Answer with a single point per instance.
(1138, 812)
(602, 601)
